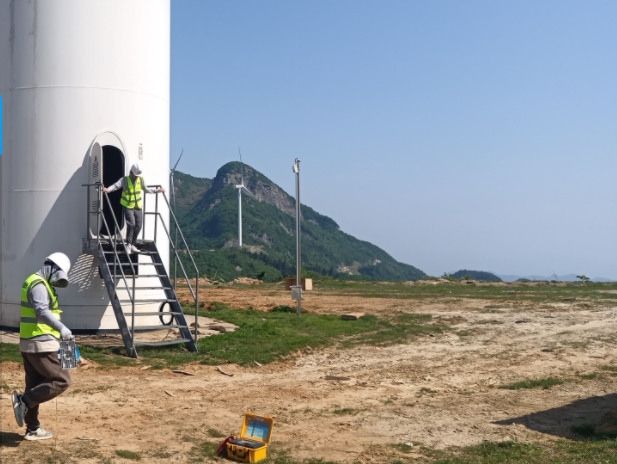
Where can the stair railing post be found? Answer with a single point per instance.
(156, 212)
(133, 311)
(296, 170)
(88, 206)
(196, 302)
(99, 212)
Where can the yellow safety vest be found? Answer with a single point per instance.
(131, 195)
(29, 326)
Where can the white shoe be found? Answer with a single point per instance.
(38, 434)
(134, 249)
(19, 408)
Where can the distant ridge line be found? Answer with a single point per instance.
(560, 278)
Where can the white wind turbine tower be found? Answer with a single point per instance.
(241, 187)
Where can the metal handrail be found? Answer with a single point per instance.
(113, 241)
(194, 293)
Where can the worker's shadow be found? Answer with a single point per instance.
(10, 439)
(594, 417)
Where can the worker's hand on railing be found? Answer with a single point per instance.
(160, 190)
(105, 189)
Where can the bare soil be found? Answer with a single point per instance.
(436, 392)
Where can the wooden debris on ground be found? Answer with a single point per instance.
(352, 316)
(223, 372)
(178, 371)
(218, 328)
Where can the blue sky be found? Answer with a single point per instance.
(454, 135)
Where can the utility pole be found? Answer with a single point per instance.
(296, 290)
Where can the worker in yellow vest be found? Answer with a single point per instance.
(40, 330)
(131, 201)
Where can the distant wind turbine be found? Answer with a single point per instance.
(241, 187)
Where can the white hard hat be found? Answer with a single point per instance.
(61, 260)
(135, 169)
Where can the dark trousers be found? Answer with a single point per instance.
(45, 379)
(134, 222)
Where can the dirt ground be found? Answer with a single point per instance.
(437, 392)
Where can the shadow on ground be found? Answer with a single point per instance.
(10, 439)
(595, 416)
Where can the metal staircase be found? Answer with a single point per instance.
(122, 271)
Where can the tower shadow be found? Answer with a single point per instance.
(594, 417)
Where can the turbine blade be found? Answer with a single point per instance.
(241, 167)
(176, 165)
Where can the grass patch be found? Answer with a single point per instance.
(161, 453)
(211, 306)
(492, 452)
(596, 431)
(107, 357)
(216, 433)
(285, 309)
(10, 352)
(204, 450)
(557, 452)
(126, 454)
(592, 376)
(596, 293)
(539, 383)
(268, 336)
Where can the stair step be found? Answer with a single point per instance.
(137, 301)
(177, 341)
(142, 275)
(148, 328)
(146, 288)
(153, 313)
(122, 252)
(143, 264)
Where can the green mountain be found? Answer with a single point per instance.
(208, 214)
(188, 190)
(477, 275)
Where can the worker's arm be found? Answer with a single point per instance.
(117, 186)
(150, 190)
(39, 299)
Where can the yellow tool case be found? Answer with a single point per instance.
(252, 444)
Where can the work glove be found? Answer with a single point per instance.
(66, 334)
